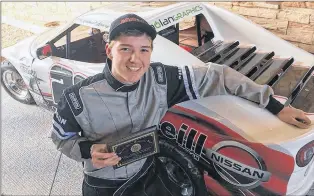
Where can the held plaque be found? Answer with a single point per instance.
(136, 146)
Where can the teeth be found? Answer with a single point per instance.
(134, 68)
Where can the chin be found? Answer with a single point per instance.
(131, 81)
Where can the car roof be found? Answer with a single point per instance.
(102, 17)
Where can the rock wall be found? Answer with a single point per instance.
(292, 21)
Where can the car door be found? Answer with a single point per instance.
(76, 54)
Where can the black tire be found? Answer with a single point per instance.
(185, 167)
(25, 98)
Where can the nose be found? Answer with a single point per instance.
(134, 57)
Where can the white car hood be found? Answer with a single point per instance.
(253, 123)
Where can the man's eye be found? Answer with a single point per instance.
(125, 49)
(144, 50)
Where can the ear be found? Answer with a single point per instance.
(108, 51)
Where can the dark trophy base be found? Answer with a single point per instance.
(136, 146)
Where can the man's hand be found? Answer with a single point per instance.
(101, 158)
(295, 117)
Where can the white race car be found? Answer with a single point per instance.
(238, 147)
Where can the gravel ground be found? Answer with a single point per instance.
(10, 35)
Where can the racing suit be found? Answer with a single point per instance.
(100, 108)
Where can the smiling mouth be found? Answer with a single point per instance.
(134, 69)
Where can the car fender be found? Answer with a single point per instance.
(19, 55)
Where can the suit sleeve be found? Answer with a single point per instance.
(214, 79)
(67, 134)
(176, 92)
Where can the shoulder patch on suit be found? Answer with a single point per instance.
(72, 94)
(74, 101)
(159, 72)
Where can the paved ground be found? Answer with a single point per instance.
(30, 161)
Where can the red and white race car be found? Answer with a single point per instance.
(240, 148)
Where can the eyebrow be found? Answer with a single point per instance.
(132, 46)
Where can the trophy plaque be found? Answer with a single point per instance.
(136, 146)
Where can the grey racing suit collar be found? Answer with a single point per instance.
(116, 84)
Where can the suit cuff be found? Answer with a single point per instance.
(85, 149)
(274, 106)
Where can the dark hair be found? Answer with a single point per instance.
(132, 32)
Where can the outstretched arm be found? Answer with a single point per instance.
(215, 79)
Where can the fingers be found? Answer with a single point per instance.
(295, 117)
(307, 120)
(101, 157)
(100, 162)
(112, 161)
(300, 124)
(303, 119)
(99, 148)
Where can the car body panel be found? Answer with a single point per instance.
(239, 138)
(257, 130)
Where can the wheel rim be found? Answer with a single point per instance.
(178, 176)
(15, 83)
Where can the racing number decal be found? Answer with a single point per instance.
(61, 78)
(237, 165)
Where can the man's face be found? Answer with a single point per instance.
(130, 57)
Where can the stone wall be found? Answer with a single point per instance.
(292, 21)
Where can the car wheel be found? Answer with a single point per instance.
(181, 169)
(14, 84)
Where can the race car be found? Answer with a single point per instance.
(242, 149)
(238, 148)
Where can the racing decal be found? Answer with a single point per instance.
(179, 73)
(26, 69)
(186, 140)
(61, 78)
(240, 166)
(159, 72)
(59, 131)
(221, 162)
(160, 75)
(92, 23)
(60, 119)
(173, 19)
(74, 101)
(132, 19)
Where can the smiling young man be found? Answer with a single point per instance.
(132, 94)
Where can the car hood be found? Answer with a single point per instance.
(19, 50)
(247, 119)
